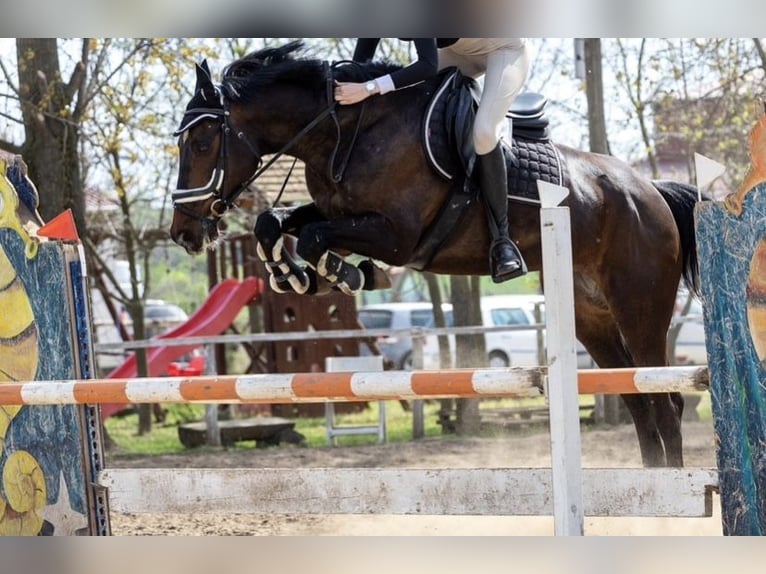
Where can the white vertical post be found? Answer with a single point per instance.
(566, 467)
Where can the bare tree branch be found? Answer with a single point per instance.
(7, 76)
(761, 52)
(77, 79)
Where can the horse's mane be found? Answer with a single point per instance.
(243, 77)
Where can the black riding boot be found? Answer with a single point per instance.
(505, 260)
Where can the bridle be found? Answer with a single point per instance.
(215, 185)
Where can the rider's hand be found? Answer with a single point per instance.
(347, 93)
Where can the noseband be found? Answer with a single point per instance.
(215, 185)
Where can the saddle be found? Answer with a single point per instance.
(448, 144)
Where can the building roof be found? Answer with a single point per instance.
(268, 185)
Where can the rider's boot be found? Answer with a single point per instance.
(505, 260)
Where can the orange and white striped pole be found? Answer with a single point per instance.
(341, 387)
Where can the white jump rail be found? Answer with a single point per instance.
(356, 491)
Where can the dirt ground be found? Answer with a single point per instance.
(607, 447)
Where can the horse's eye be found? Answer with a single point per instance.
(200, 146)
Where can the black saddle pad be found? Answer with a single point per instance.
(530, 161)
(530, 157)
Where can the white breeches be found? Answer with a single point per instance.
(504, 62)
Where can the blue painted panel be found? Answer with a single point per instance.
(726, 245)
(50, 436)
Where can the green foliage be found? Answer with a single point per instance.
(178, 278)
(163, 439)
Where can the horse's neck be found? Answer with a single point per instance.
(333, 137)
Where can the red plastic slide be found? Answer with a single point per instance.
(214, 316)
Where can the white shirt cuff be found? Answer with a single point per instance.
(385, 84)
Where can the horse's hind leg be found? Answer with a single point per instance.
(669, 408)
(597, 331)
(657, 416)
(643, 325)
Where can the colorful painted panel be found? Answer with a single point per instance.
(42, 466)
(756, 301)
(731, 253)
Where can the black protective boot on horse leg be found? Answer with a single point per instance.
(505, 260)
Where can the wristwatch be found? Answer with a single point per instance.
(371, 87)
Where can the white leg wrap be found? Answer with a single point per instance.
(295, 283)
(322, 268)
(275, 286)
(276, 252)
(260, 252)
(343, 286)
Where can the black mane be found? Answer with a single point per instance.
(243, 78)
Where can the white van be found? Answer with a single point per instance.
(519, 347)
(504, 310)
(504, 348)
(523, 347)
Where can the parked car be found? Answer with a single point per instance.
(507, 348)
(159, 316)
(504, 348)
(398, 348)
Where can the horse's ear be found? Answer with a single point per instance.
(204, 80)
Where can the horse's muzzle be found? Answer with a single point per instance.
(192, 245)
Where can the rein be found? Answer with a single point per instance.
(337, 177)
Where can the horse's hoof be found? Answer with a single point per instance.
(299, 281)
(280, 284)
(374, 276)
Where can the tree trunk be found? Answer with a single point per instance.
(609, 406)
(446, 406)
(470, 349)
(51, 141)
(594, 89)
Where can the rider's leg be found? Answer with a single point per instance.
(505, 261)
(506, 72)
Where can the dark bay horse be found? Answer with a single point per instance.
(632, 238)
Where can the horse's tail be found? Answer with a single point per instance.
(681, 198)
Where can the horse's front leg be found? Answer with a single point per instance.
(285, 275)
(368, 235)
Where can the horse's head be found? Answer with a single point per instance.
(216, 163)
(267, 103)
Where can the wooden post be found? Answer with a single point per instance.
(418, 415)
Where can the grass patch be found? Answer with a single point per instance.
(163, 439)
